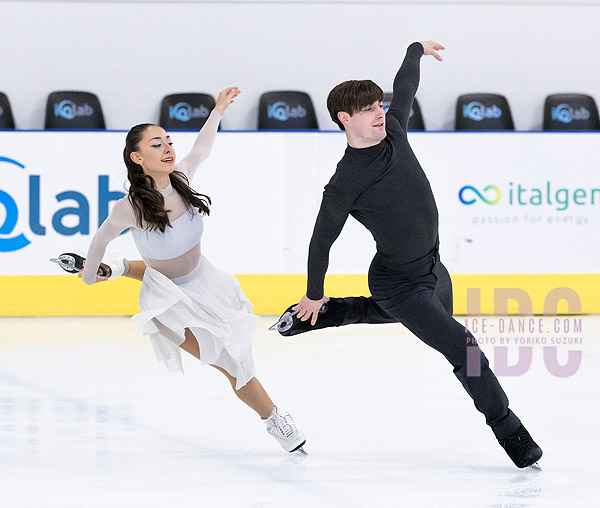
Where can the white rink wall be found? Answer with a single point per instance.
(508, 202)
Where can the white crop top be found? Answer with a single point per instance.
(175, 252)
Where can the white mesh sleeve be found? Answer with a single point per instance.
(120, 218)
(202, 146)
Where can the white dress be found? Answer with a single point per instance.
(181, 288)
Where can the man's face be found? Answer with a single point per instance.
(367, 126)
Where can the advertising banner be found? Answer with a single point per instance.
(516, 203)
(508, 202)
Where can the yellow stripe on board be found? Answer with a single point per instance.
(66, 295)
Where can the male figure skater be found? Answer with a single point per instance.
(381, 184)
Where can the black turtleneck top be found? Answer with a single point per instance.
(383, 187)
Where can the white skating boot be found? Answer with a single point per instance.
(281, 426)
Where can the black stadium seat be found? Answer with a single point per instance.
(6, 117)
(185, 111)
(287, 110)
(483, 112)
(570, 112)
(415, 118)
(74, 110)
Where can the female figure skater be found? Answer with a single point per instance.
(185, 302)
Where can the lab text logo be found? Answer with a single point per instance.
(14, 241)
(66, 220)
(69, 110)
(566, 114)
(282, 111)
(478, 112)
(185, 112)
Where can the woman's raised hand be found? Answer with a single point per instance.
(226, 97)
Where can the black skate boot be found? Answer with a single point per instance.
(73, 263)
(521, 448)
(332, 313)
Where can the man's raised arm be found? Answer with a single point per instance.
(406, 81)
(329, 224)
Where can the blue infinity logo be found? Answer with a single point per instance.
(492, 188)
(12, 215)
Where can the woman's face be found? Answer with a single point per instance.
(155, 152)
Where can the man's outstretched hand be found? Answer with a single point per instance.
(432, 48)
(309, 309)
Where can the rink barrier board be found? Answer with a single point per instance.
(64, 295)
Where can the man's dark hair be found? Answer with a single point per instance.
(351, 97)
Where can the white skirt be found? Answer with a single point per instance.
(212, 305)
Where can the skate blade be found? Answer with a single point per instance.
(285, 322)
(536, 466)
(301, 451)
(66, 262)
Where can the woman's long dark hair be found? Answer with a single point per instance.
(148, 202)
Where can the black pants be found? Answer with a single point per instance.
(419, 296)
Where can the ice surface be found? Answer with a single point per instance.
(89, 419)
